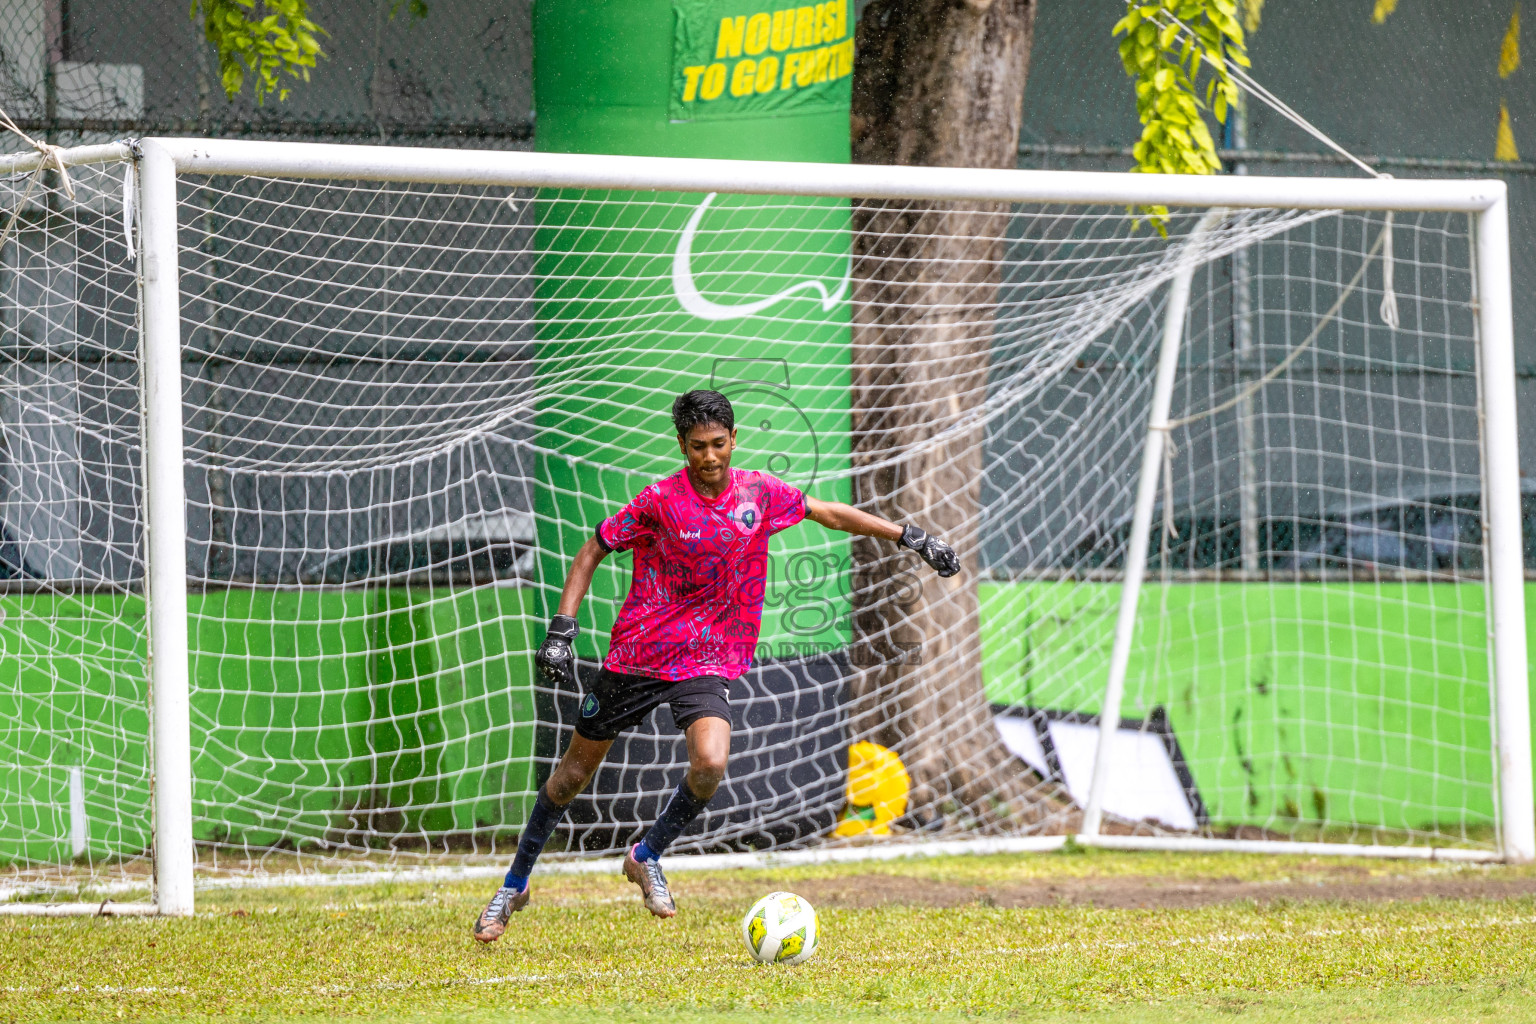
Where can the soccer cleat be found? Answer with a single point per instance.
(493, 921)
(653, 884)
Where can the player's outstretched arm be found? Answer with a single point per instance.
(835, 515)
(556, 661)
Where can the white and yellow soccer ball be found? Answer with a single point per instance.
(781, 929)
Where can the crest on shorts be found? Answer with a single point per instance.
(589, 705)
(747, 515)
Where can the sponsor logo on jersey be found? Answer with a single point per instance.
(690, 534)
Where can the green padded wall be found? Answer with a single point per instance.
(618, 337)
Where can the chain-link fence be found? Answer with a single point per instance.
(85, 70)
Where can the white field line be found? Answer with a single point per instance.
(1216, 940)
(1236, 938)
(1219, 939)
(100, 990)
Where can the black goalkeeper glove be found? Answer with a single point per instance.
(932, 550)
(556, 661)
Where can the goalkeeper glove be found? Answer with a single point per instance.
(556, 661)
(932, 550)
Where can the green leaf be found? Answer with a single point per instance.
(266, 38)
(1171, 74)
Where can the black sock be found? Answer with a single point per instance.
(541, 822)
(680, 810)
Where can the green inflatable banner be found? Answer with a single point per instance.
(641, 296)
(737, 57)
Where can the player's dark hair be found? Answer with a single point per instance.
(701, 408)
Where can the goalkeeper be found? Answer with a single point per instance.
(688, 627)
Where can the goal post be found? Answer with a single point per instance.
(1506, 550)
(166, 527)
(311, 506)
(1168, 351)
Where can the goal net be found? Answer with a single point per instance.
(405, 404)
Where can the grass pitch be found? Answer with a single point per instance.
(1076, 936)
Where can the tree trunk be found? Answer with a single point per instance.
(936, 82)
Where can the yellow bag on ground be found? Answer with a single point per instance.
(877, 791)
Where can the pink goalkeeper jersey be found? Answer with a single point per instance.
(695, 602)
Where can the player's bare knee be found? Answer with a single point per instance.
(704, 776)
(566, 783)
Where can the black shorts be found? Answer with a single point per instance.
(615, 702)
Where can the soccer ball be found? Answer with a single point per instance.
(780, 929)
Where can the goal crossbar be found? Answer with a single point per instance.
(757, 177)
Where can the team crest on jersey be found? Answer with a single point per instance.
(589, 705)
(747, 514)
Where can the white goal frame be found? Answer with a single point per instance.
(160, 161)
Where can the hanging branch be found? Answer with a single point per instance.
(276, 40)
(1164, 46)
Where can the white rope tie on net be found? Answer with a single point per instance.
(129, 167)
(1387, 310)
(53, 156)
(1382, 246)
(1251, 86)
(1388, 294)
